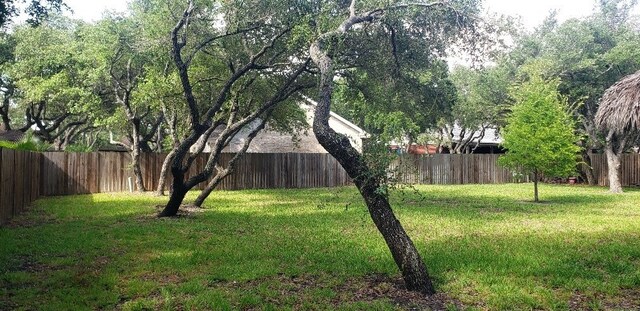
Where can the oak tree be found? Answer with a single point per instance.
(231, 75)
(430, 26)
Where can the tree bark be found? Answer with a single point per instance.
(162, 181)
(222, 173)
(179, 187)
(404, 252)
(135, 153)
(409, 144)
(175, 199)
(137, 171)
(4, 110)
(613, 161)
(480, 137)
(208, 189)
(535, 186)
(402, 249)
(588, 169)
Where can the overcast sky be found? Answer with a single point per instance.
(532, 12)
(91, 10)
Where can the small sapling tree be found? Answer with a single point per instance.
(540, 136)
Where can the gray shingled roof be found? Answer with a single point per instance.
(270, 141)
(12, 136)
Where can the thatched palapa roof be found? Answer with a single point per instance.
(620, 106)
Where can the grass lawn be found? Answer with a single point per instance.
(486, 246)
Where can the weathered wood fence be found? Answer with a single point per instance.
(24, 176)
(19, 186)
(629, 169)
(80, 173)
(484, 169)
(454, 169)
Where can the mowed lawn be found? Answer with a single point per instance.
(486, 246)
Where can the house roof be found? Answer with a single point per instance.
(270, 141)
(491, 136)
(620, 106)
(313, 104)
(11, 135)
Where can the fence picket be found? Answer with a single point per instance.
(25, 176)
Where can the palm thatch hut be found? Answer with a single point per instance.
(618, 118)
(619, 109)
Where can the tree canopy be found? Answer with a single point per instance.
(588, 56)
(37, 10)
(48, 82)
(403, 87)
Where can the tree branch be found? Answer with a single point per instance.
(205, 43)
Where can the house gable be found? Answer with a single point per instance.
(270, 141)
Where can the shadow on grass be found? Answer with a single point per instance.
(256, 235)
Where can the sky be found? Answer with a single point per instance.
(532, 12)
(91, 10)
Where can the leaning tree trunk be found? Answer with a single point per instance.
(587, 169)
(209, 188)
(162, 181)
(179, 191)
(402, 249)
(175, 200)
(137, 171)
(613, 161)
(179, 187)
(536, 177)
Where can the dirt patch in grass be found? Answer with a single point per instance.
(628, 299)
(185, 211)
(29, 264)
(31, 218)
(369, 288)
(380, 286)
(5, 304)
(26, 264)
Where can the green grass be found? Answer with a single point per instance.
(487, 247)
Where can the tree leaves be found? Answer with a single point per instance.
(37, 10)
(540, 135)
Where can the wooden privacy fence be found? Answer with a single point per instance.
(453, 169)
(24, 176)
(484, 169)
(629, 169)
(80, 173)
(19, 176)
